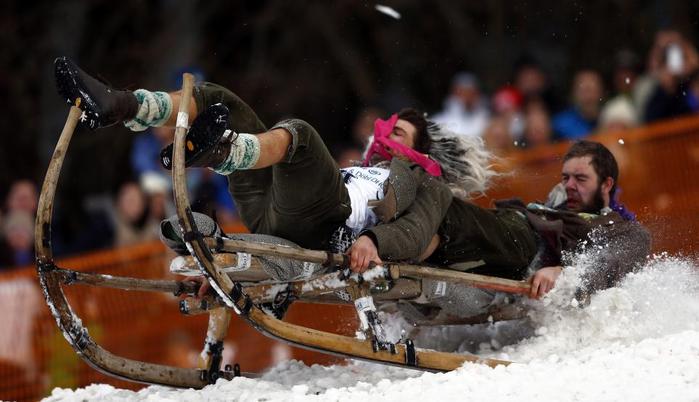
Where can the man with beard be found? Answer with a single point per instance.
(534, 241)
(590, 216)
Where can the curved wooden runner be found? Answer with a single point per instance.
(51, 278)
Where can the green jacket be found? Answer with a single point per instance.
(410, 233)
(497, 242)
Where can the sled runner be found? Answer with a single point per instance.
(233, 268)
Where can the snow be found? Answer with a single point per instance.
(332, 282)
(178, 265)
(387, 11)
(636, 342)
(274, 290)
(374, 273)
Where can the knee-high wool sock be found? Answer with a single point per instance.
(245, 151)
(154, 110)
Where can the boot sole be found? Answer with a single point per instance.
(206, 131)
(71, 88)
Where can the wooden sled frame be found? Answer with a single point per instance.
(52, 277)
(232, 296)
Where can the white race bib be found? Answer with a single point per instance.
(363, 184)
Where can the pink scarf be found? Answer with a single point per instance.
(382, 130)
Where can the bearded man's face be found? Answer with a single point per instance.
(584, 189)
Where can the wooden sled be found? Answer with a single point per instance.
(241, 293)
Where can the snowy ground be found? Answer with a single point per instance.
(636, 342)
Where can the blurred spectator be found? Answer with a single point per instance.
(620, 111)
(537, 130)
(17, 247)
(618, 114)
(672, 62)
(465, 112)
(17, 235)
(507, 105)
(210, 191)
(533, 83)
(145, 152)
(20, 365)
(497, 136)
(157, 192)
(86, 226)
(153, 178)
(132, 220)
(363, 126)
(581, 118)
(694, 88)
(211, 196)
(23, 196)
(626, 71)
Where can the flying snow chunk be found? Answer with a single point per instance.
(388, 11)
(621, 141)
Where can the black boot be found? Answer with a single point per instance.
(102, 105)
(205, 145)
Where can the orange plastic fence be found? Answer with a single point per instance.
(658, 164)
(147, 326)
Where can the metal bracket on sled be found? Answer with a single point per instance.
(236, 294)
(213, 374)
(410, 355)
(377, 331)
(369, 321)
(195, 235)
(45, 266)
(229, 372)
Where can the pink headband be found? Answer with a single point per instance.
(382, 130)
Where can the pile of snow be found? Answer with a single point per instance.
(638, 341)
